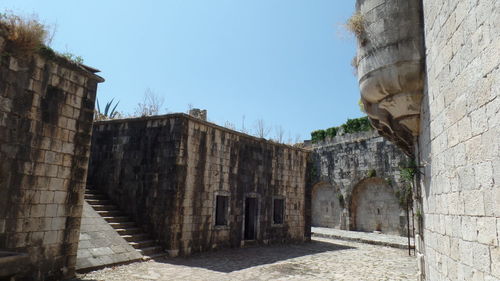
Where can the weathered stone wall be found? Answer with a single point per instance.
(136, 162)
(357, 184)
(166, 171)
(46, 112)
(459, 141)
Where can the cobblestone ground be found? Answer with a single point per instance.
(321, 259)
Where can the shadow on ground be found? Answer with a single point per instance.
(229, 260)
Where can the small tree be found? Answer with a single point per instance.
(279, 134)
(261, 130)
(150, 105)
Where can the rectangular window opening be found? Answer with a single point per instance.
(278, 211)
(221, 209)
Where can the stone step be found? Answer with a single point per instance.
(95, 202)
(155, 256)
(150, 250)
(118, 219)
(104, 207)
(89, 196)
(112, 213)
(121, 225)
(135, 237)
(129, 231)
(143, 244)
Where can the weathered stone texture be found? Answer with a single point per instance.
(357, 180)
(390, 67)
(166, 172)
(459, 141)
(100, 244)
(46, 112)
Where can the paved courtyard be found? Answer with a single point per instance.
(321, 259)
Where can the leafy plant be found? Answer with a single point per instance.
(371, 173)
(388, 180)
(72, 57)
(407, 174)
(318, 135)
(350, 126)
(357, 125)
(108, 113)
(331, 132)
(340, 197)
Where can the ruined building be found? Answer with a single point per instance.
(357, 184)
(46, 113)
(430, 81)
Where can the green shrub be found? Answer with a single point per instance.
(318, 135)
(357, 125)
(331, 132)
(371, 173)
(351, 126)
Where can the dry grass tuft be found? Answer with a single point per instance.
(355, 24)
(24, 36)
(355, 64)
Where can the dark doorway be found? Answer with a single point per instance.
(251, 218)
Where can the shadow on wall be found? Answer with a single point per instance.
(229, 260)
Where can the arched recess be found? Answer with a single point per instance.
(373, 206)
(326, 209)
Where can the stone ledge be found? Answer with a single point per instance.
(362, 237)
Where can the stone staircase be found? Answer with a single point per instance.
(123, 225)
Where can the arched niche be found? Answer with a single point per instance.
(373, 206)
(326, 208)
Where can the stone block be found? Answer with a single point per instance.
(474, 203)
(37, 211)
(481, 257)
(466, 252)
(50, 237)
(486, 231)
(51, 210)
(56, 184)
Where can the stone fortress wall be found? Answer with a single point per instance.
(46, 114)
(430, 77)
(357, 184)
(167, 171)
(459, 143)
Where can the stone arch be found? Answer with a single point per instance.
(326, 208)
(373, 206)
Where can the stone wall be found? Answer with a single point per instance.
(459, 141)
(166, 172)
(46, 112)
(357, 184)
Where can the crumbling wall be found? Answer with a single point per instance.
(350, 171)
(459, 142)
(166, 172)
(46, 112)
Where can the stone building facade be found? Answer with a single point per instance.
(357, 184)
(46, 113)
(455, 140)
(196, 186)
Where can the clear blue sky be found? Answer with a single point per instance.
(284, 61)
